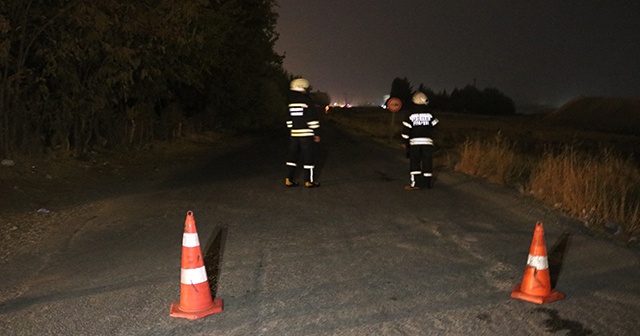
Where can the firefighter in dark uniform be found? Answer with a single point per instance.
(417, 132)
(304, 126)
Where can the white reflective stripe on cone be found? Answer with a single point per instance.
(539, 262)
(193, 276)
(190, 240)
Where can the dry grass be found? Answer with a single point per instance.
(600, 188)
(603, 190)
(494, 159)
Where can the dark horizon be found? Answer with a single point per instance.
(544, 53)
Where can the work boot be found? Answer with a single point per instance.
(311, 184)
(289, 183)
(428, 182)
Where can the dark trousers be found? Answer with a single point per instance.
(421, 165)
(301, 151)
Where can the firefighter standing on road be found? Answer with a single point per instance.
(417, 132)
(304, 125)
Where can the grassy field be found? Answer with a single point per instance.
(591, 175)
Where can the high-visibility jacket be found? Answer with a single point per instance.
(303, 118)
(417, 126)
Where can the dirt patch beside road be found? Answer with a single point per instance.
(37, 194)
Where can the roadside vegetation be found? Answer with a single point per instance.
(83, 76)
(589, 175)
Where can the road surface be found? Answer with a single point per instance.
(357, 256)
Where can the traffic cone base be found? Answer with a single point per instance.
(553, 296)
(176, 311)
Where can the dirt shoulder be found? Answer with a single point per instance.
(37, 194)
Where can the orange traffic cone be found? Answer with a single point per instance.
(195, 296)
(536, 283)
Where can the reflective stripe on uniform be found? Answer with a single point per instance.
(305, 132)
(421, 141)
(298, 105)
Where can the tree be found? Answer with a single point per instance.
(247, 85)
(490, 101)
(80, 74)
(469, 99)
(321, 98)
(23, 25)
(496, 103)
(401, 89)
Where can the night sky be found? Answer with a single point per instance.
(536, 52)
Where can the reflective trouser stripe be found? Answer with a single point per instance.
(310, 169)
(413, 177)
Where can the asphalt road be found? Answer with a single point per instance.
(357, 256)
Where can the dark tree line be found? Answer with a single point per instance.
(81, 74)
(470, 99)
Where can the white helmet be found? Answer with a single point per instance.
(299, 84)
(420, 98)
